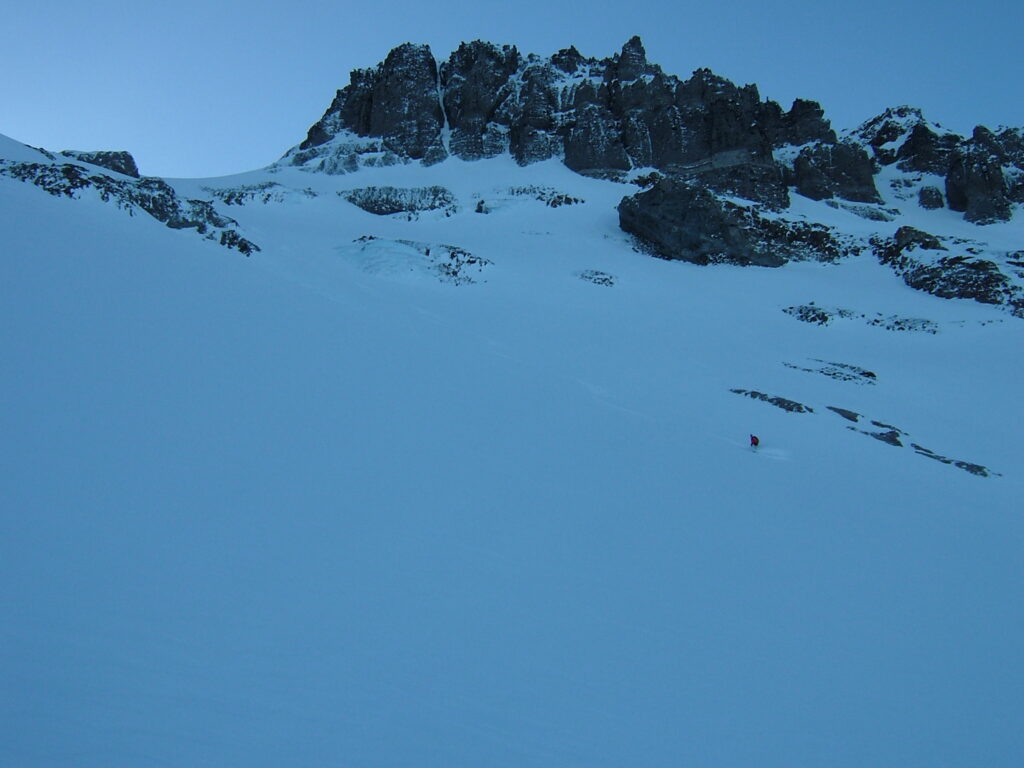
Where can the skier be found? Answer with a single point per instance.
(754, 441)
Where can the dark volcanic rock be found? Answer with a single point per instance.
(534, 116)
(568, 60)
(121, 162)
(720, 117)
(597, 277)
(845, 413)
(930, 198)
(687, 222)
(397, 102)
(679, 220)
(909, 238)
(836, 170)
(153, 196)
(838, 371)
(976, 183)
(960, 277)
(949, 277)
(632, 61)
(594, 142)
(601, 116)
(761, 182)
(605, 117)
(891, 436)
(812, 313)
(385, 201)
(476, 82)
(883, 132)
(805, 122)
(779, 402)
(966, 466)
(926, 151)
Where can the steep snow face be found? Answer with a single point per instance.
(327, 505)
(15, 151)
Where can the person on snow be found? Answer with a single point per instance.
(754, 441)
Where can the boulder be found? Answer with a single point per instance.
(909, 238)
(681, 220)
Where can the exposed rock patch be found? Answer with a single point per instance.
(679, 220)
(597, 277)
(265, 192)
(914, 256)
(881, 431)
(869, 212)
(386, 201)
(967, 466)
(818, 315)
(838, 371)
(976, 181)
(153, 196)
(930, 198)
(845, 413)
(401, 258)
(779, 402)
(601, 116)
(550, 196)
(836, 170)
(396, 102)
(120, 162)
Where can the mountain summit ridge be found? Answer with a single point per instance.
(724, 175)
(610, 116)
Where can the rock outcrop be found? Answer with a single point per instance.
(836, 170)
(386, 201)
(930, 198)
(917, 257)
(397, 102)
(121, 162)
(677, 219)
(151, 195)
(976, 180)
(983, 175)
(600, 116)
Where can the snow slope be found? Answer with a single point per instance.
(322, 507)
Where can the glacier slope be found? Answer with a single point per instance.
(313, 507)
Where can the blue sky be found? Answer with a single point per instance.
(209, 88)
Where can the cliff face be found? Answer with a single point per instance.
(609, 116)
(719, 170)
(599, 116)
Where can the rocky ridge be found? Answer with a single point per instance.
(721, 164)
(721, 172)
(150, 195)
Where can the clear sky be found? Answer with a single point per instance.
(208, 88)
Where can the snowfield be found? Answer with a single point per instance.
(327, 505)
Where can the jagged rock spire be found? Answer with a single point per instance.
(632, 60)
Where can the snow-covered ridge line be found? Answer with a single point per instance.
(151, 195)
(615, 115)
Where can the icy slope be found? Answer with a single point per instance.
(323, 506)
